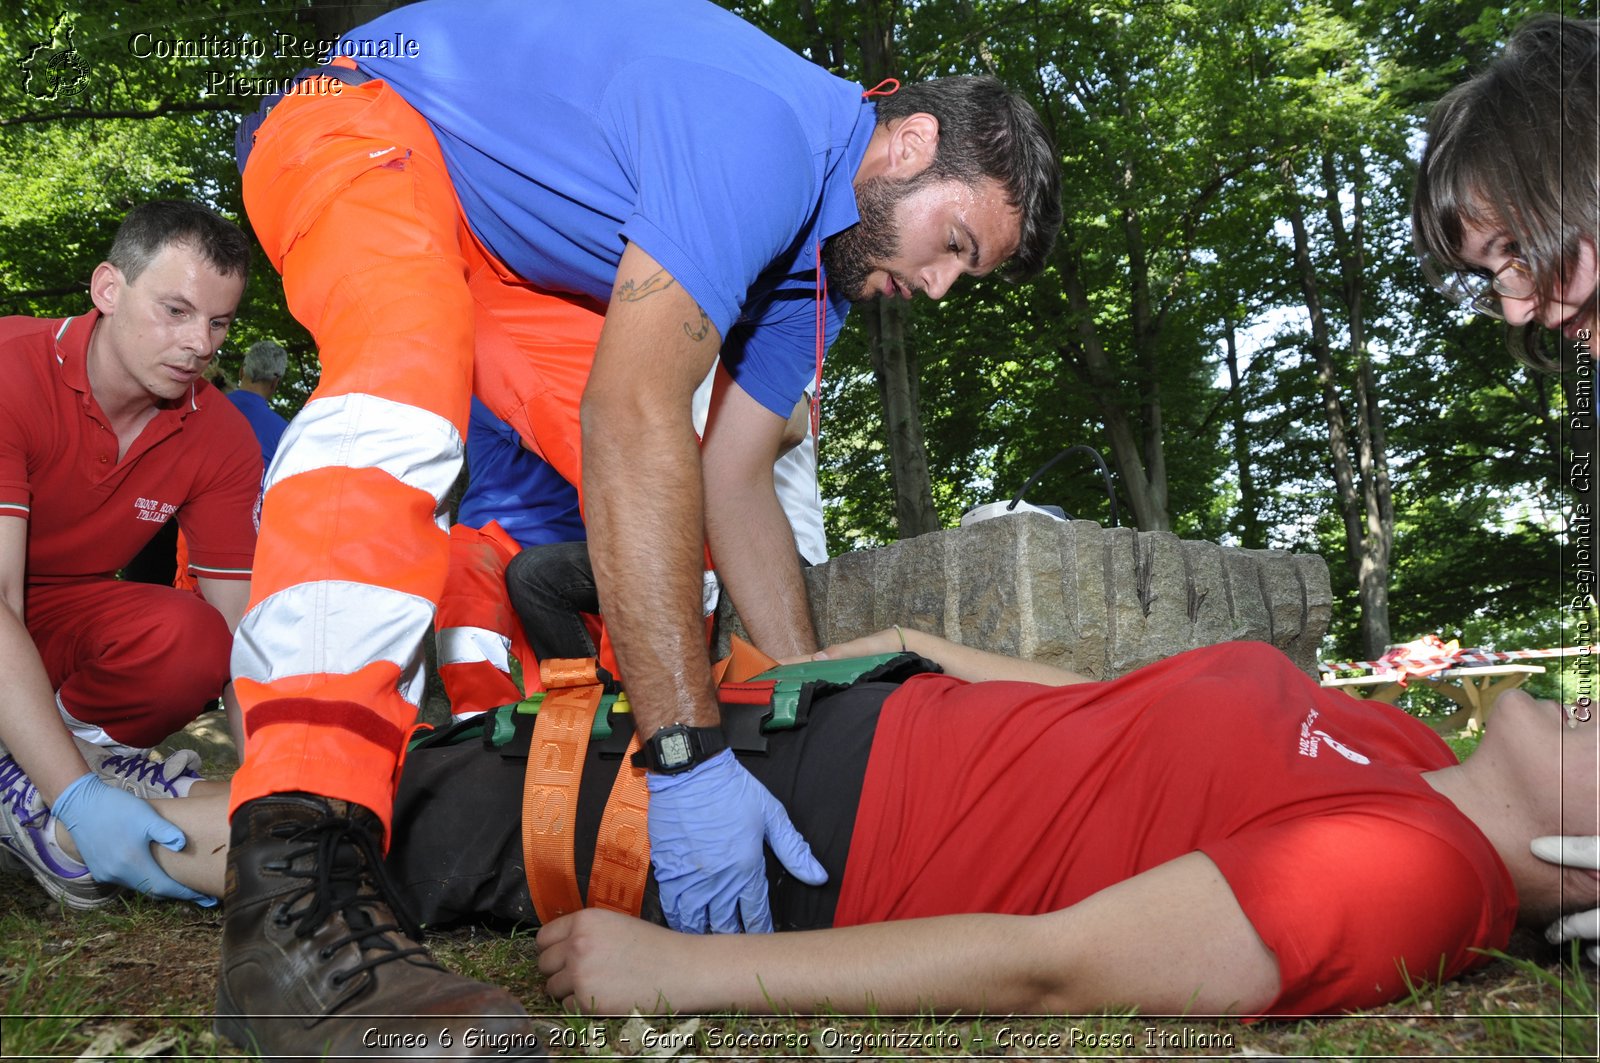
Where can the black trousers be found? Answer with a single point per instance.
(456, 851)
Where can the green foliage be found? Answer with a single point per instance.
(141, 123)
(1174, 122)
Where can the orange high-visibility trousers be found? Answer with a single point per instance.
(476, 629)
(348, 194)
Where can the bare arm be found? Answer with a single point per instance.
(1171, 940)
(797, 427)
(751, 540)
(30, 726)
(642, 495)
(963, 662)
(230, 597)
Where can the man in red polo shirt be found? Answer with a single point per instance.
(107, 431)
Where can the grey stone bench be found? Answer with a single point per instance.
(1099, 601)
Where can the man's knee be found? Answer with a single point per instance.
(550, 569)
(196, 646)
(155, 658)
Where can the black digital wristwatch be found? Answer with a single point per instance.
(678, 747)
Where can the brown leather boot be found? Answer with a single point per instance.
(318, 960)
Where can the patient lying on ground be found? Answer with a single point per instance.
(1214, 833)
(1005, 837)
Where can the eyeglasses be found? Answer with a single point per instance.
(1481, 292)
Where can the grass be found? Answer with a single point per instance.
(136, 980)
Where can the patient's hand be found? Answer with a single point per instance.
(601, 962)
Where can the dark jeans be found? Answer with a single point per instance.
(549, 587)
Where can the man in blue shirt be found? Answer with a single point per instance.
(570, 208)
(259, 376)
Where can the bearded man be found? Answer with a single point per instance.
(570, 209)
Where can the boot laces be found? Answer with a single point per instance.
(346, 859)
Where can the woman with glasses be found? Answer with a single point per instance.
(1507, 219)
(1507, 208)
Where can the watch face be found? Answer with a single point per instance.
(674, 749)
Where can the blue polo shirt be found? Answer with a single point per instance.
(573, 126)
(267, 423)
(509, 483)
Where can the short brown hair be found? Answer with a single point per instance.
(1515, 146)
(149, 227)
(987, 130)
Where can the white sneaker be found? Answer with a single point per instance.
(24, 823)
(141, 772)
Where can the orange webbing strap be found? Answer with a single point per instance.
(742, 662)
(622, 850)
(550, 787)
(550, 793)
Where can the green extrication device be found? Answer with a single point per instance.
(775, 700)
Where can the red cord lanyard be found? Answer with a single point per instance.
(886, 87)
(822, 343)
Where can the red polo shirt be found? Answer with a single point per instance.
(88, 513)
(1355, 872)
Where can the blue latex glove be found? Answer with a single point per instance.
(1581, 851)
(706, 830)
(113, 830)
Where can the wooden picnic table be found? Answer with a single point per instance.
(1474, 687)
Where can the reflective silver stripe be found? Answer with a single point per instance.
(333, 626)
(472, 645)
(212, 572)
(418, 448)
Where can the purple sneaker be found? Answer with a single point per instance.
(140, 772)
(23, 821)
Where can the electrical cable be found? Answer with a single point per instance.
(1105, 475)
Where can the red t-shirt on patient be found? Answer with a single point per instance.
(1017, 798)
(89, 513)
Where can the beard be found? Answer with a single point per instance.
(851, 256)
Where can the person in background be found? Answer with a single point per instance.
(514, 501)
(259, 377)
(1506, 217)
(552, 586)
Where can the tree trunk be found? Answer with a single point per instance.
(1088, 357)
(1359, 465)
(1252, 535)
(1145, 331)
(894, 369)
(893, 363)
(1376, 499)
